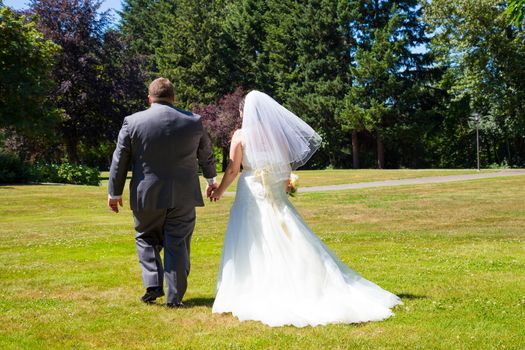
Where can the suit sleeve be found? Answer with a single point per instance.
(120, 162)
(205, 156)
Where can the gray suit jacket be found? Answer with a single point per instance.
(162, 144)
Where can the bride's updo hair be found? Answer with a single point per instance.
(241, 103)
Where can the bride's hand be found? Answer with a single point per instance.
(288, 186)
(215, 195)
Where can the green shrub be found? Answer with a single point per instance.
(13, 169)
(68, 173)
(47, 173)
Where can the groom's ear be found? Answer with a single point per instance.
(150, 100)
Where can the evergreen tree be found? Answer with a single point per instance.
(319, 78)
(388, 74)
(516, 12)
(245, 23)
(196, 54)
(142, 23)
(370, 102)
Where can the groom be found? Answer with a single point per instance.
(162, 144)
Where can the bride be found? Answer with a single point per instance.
(274, 269)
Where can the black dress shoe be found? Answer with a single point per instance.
(152, 293)
(175, 305)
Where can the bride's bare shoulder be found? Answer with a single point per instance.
(237, 136)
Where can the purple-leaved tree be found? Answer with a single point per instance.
(98, 77)
(78, 29)
(221, 119)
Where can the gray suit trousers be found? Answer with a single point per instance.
(170, 229)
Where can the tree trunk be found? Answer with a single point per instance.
(331, 159)
(355, 149)
(495, 151)
(520, 148)
(380, 151)
(509, 159)
(225, 158)
(71, 149)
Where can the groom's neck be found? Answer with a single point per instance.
(163, 102)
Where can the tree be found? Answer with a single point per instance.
(123, 81)
(516, 12)
(296, 52)
(26, 63)
(371, 101)
(484, 56)
(387, 73)
(77, 27)
(245, 23)
(196, 54)
(142, 23)
(222, 119)
(318, 77)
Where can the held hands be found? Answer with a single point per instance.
(212, 192)
(114, 203)
(216, 195)
(210, 188)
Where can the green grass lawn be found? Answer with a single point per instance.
(454, 252)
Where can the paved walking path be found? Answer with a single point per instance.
(414, 181)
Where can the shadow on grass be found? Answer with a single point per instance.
(103, 178)
(9, 185)
(199, 302)
(192, 302)
(188, 303)
(208, 302)
(411, 296)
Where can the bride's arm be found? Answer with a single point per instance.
(234, 166)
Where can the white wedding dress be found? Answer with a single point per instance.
(274, 269)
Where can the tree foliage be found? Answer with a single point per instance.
(26, 61)
(386, 83)
(484, 57)
(142, 23)
(76, 26)
(99, 80)
(194, 52)
(221, 119)
(516, 11)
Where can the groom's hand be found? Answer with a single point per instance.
(114, 203)
(210, 188)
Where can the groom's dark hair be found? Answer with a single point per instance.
(162, 89)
